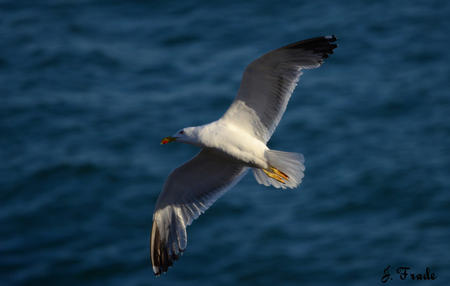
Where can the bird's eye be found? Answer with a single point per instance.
(181, 132)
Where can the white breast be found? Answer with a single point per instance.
(235, 142)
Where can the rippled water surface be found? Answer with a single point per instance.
(89, 88)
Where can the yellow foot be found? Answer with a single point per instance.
(279, 173)
(276, 174)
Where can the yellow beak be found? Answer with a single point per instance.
(168, 140)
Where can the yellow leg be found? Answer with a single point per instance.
(279, 173)
(274, 176)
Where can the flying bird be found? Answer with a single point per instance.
(232, 145)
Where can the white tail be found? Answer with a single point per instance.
(285, 170)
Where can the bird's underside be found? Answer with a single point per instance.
(192, 188)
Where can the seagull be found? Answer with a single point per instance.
(232, 145)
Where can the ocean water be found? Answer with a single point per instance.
(89, 88)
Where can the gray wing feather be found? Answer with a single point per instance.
(268, 82)
(189, 191)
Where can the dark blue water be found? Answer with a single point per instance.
(89, 88)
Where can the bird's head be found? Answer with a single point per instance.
(185, 135)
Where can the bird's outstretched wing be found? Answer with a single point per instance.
(268, 82)
(189, 190)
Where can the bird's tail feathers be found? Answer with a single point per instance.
(285, 170)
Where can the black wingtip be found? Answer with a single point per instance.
(331, 38)
(160, 256)
(320, 45)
